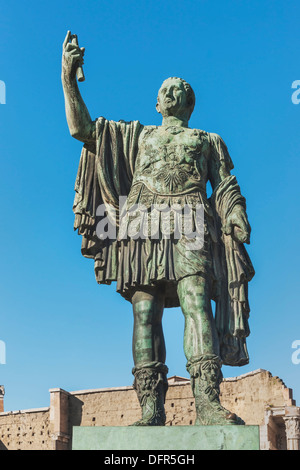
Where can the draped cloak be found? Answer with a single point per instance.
(105, 173)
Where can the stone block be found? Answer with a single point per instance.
(166, 438)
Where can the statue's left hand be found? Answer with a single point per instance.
(238, 226)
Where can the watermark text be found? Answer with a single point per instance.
(296, 95)
(296, 354)
(2, 92)
(159, 221)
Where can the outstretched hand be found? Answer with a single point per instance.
(72, 56)
(238, 226)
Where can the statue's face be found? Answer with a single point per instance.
(172, 98)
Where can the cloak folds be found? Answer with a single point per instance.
(105, 173)
(234, 270)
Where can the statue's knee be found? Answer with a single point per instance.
(195, 305)
(142, 316)
(147, 315)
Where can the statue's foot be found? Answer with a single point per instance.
(206, 377)
(217, 415)
(151, 386)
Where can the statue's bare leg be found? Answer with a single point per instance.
(200, 334)
(148, 344)
(149, 355)
(201, 347)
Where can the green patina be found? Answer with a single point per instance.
(169, 164)
(187, 438)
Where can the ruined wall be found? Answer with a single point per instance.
(120, 407)
(28, 429)
(106, 407)
(249, 396)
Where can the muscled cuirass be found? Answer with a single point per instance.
(171, 164)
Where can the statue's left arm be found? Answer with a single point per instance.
(219, 169)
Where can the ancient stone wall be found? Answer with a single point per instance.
(120, 407)
(250, 396)
(28, 430)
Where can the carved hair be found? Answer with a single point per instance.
(191, 99)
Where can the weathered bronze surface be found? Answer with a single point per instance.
(154, 166)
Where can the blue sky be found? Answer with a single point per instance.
(60, 328)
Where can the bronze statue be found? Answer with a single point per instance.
(169, 166)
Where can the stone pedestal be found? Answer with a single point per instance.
(166, 438)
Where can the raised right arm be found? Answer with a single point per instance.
(78, 118)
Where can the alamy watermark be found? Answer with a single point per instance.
(155, 222)
(296, 354)
(296, 95)
(2, 92)
(2, 352)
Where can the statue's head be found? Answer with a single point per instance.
(175, 98)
